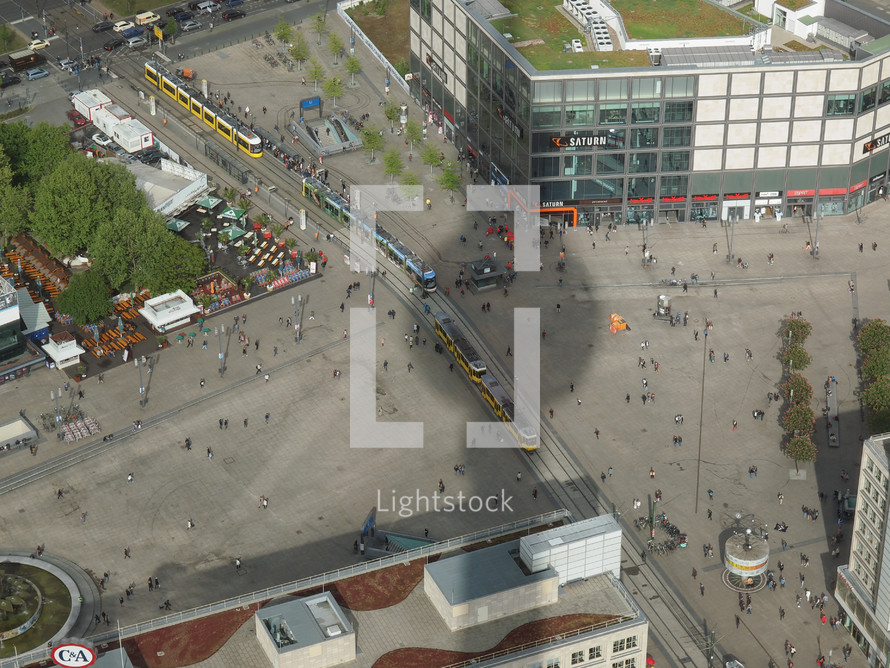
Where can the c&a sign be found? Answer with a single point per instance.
(74, 656)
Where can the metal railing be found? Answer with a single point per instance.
(322, 580)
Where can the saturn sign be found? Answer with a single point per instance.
(73, 656)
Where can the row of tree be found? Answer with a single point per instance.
(798, 420)
(874, 347)
(75, 205)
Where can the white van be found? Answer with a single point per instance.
(208, 7)
(577, 46)
(146, 18)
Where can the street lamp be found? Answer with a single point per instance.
(219, 334)
(141, 386)
(56, 396)
(296, 305)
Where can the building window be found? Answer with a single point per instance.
(426, 9)
(626, 663)
(645, 113)
(677, 136)
(546, 117)
(671, 185)
(644, 137)
(677, 112)
(544, 167)
(613, 114)
(675, 161)
(631, 642)
(577, 657)
(577, 165)
(610, 163)
(885, 93)
(646, 88)
(843, 104)
(867, 99)
(580, 91)
(641, 163)
(552, 663)
(869, 464)
(580, 114)
(536, 665)
(613, 89)
(548, 91)
(679, 87)
(595, 653)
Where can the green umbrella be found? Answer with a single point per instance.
(200, 321)
(207, 330)
(192, 334)
(180, 337)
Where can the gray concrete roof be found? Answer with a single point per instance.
(305, 621)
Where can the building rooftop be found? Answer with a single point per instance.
(304, 622)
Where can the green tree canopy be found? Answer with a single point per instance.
(430, 156)
(874, 335)
(15, 202)
(372, 140)
(283, 30)
(335, 46)
(798, 329)
(796, 357)
(299, 50)
(876, 365)
(353, 66)
(171, 29)
(34, 151)
(334, 88)
(76, 197)
(392, 164)
(799, 419)
(315, 72)
(801, 449)
(86, 299)
(449, 179)
(414, 132)
(115, 250)
(877, 398)
(319, 25)
(167, 262)
(802, 390)
(409, 179)
(392, 113)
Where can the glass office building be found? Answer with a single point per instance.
(724, 133)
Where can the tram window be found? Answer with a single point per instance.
(209, 117)
(168, 88)
(196, 108)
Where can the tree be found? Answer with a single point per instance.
(409, 179)
(15, 203)
(877, 398)
(413, 132)
(392, 164)
(353, 67)
(73, 200)
(797, 330)
(167, 262)
(372, 140)
(334, 88)
(335, 46)
(315, 72)
(876, 365)
(170, 31)
(795, 357)
(299, 50)
(34, 151)
(116, 247)
(6, 37)
(449, 179)
(874, 335)
(392, 113)
(430, 156)
(86, 299)
(319, 25)
(229, 194)
(801, 449)
(283, 31)
(797, 389)
(799, 420)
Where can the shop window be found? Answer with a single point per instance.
(614, 140)
(577, 165)
(613, 89)
(580, 114)
(681, 136)
(646, 88)
(885, 93)
(595, 652)
(675, 161)
(843, 104)
(677, 112)
(594, 188)
(644, 137)
(645, 113)
(580, 91)
(638, 163)
(541, 142)
(641, 186)
(613, 114)
(544, 167)
(867, 99)
(546, 117)
(679, 87)
(610, 163)
(577, 657)
(548, 91)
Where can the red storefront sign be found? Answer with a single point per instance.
(801, 193)
(673, 198)
(832, 191)
(737, 196)
(704, 198)
(641, 200)
(857, 186)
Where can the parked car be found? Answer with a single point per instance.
(102, 139)
(120, 26)
(113, 44)
(102, 26)
(173, 11)
(67, 64)
(36, 73)
(183, 16)
(136, 42)
(36, 44)
(151, 156)
(133, 32)
(193, 5)
(77, 118)
(188, 26)
(234, 14)
(6, 82)
(145, 18)
(234, 3)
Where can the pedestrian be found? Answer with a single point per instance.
(83, 517)
(596, 432)
(267, 418)
(710, 494)
(122, 601)
(701, 587)
(715, 293)
(210, 453)
(245, 423)
(651, 473)
(710, 514)
(603, 476)
(694, 574)
(411, 366)
(535, 494)
(734, 425)
(558, 307)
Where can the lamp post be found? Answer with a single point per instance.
(56, 396)
(816, 238)
(141, 386)
(296, 304)
(219, 334)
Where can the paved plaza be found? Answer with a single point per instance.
(320, 490)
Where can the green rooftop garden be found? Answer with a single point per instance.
(663, 19)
